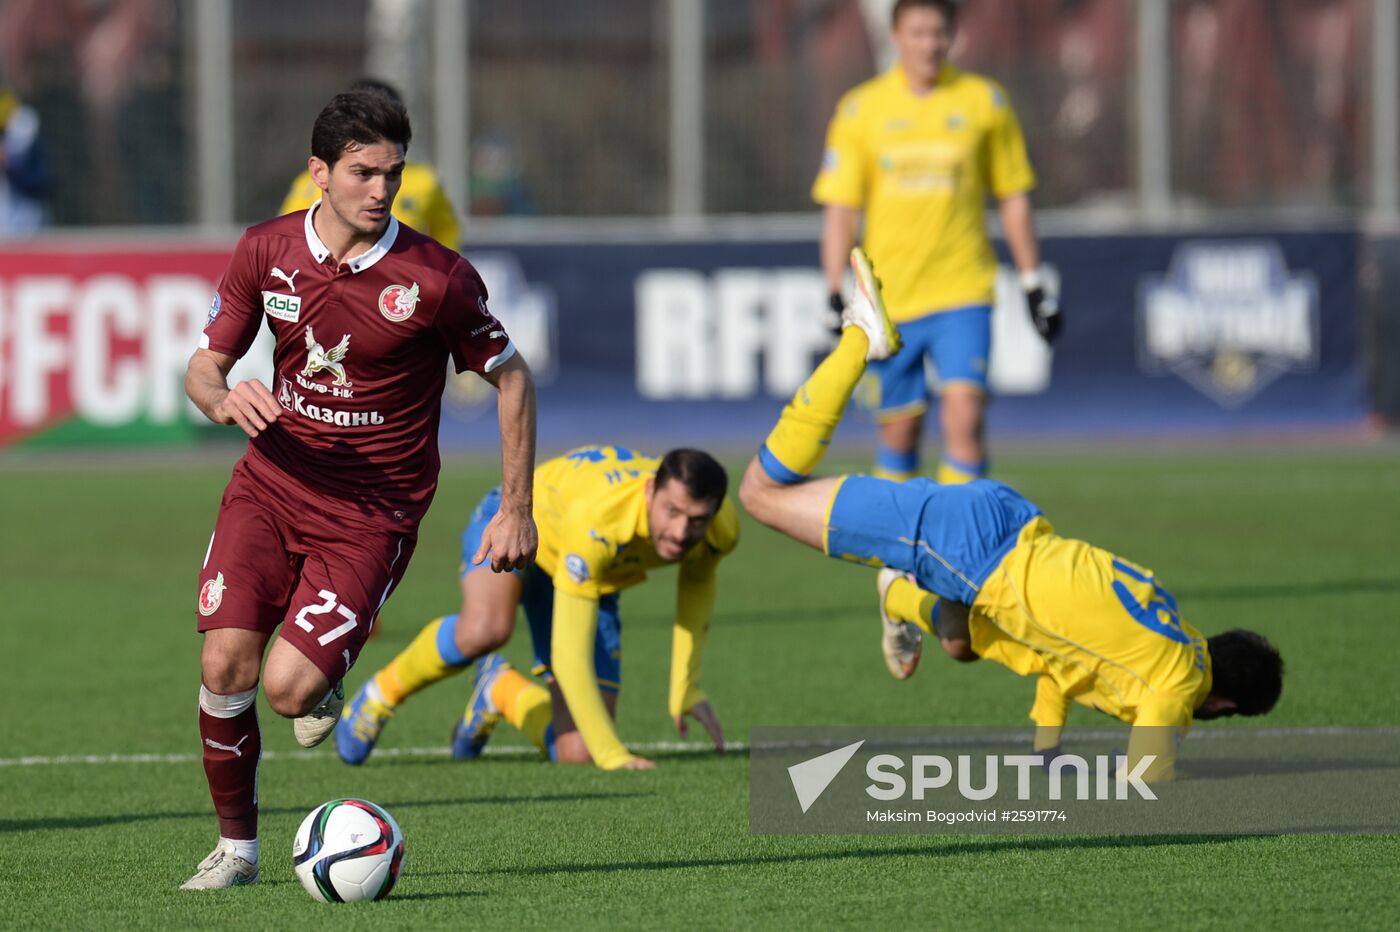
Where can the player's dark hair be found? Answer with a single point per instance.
(382, 87)
(359, 118)
(1246, 669)
(704, 479)
(949, 9)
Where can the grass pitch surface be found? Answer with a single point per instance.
(101, 660)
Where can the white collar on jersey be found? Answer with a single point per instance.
(365, 259)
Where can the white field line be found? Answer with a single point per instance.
(441, 751)
(816, 741)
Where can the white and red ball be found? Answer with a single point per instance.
(348, 850)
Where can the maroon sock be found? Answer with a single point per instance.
(232, 748)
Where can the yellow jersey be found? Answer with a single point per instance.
(1097, 630)
(922, 167)
(421, 203)
(595, 539)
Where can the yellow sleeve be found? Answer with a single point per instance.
(1049, 712)
(695, 604)
(442, 219)
(1007, 167)
(571, 649)
(301, 195)
(1157, 730)
(842, 179)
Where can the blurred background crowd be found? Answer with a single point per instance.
(571, 109)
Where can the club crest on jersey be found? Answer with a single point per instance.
(319, 358)
(398, 302)
(211, 595)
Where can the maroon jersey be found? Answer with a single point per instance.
(361, 357)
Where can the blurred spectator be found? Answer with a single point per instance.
(24, 174)
(421, 203)
(497, 186)
(1269, 100)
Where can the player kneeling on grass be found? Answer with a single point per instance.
(606, 515)
(978, 566)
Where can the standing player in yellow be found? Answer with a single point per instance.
(421, 203)
(607, 516)
(917, 151)
(980, 567)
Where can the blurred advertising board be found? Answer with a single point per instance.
(662, 342)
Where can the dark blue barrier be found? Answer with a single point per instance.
(660, 343)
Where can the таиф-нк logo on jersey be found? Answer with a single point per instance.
(397, 302)
(331, 361)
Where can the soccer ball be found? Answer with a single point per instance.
(347, 850)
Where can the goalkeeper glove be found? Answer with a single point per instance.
(837, 306)
(1044, 307)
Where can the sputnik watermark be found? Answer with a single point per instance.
(1111, 778)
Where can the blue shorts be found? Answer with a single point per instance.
(951, 537)
(537, 599)
(959, 341)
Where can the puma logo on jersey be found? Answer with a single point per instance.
(319, 358)
(278, 273)
(227, 747)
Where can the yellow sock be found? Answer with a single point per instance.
(432, 657)
(798, 442)
(905, 601)
(952, 472)
(524, 703)
(893, 475)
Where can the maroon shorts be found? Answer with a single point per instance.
(276, 558)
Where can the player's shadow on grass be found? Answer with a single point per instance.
(927, 849)
(1323, 588)
(101, 821)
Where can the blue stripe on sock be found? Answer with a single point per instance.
(892, 461)
(447, 643)
(776, 470)
(549, 742)
(972, 469)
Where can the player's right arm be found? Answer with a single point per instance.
(1049, 713)
(571, 657)
(234, 318)
(841, 189)
(248, 404)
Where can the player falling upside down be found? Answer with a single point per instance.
(321, 515)
(979, 567)
(607, 516)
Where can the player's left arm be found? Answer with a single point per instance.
(511, 538)
(1158, 729)
(1010, 179)
(695, 605)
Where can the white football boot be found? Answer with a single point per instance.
(222, 869)
(866, 310)
(901, 641)
(315, 726)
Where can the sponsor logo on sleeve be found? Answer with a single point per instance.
(211, 595)
(282, 306)
(577, 568)
(214, 307)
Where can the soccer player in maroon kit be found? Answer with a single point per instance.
(320, 518)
